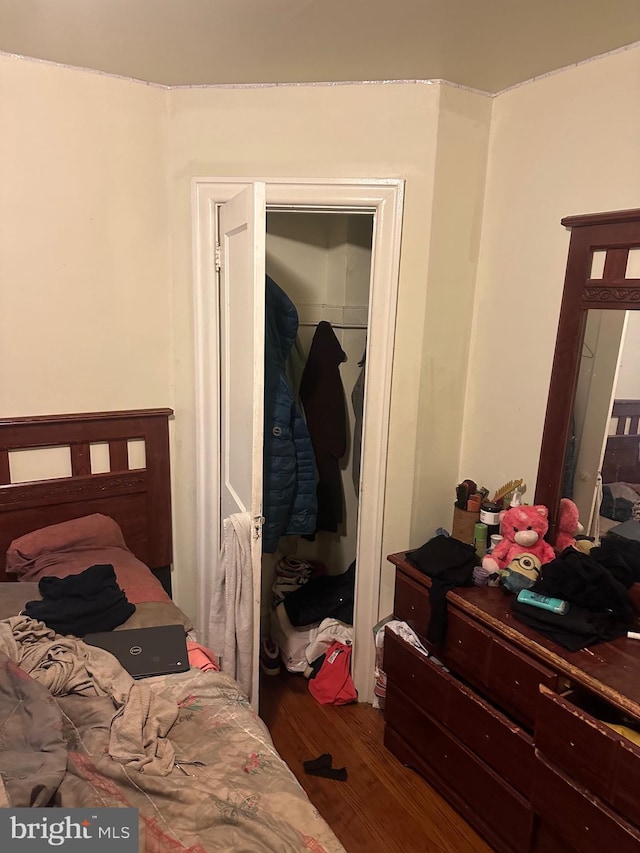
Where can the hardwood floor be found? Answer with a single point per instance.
(383, 807)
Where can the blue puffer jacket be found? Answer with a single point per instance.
(289, 473)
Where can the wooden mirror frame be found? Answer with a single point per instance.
(614, 233)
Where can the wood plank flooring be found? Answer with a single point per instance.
(383, 807)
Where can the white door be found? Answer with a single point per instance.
(242, 283)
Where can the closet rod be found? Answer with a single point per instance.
(334, 325)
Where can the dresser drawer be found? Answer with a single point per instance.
(515, 680)
(411, 603)
(468, 648)
(498, 668)
(579, 818)
(488, 733)
(415, 675)
(547, 840)
(607, 763)
(449, 761)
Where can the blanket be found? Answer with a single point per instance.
(64, 665)
(226, 788)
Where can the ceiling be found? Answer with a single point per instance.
(484, 44)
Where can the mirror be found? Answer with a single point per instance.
(595, 361)
(603, 437)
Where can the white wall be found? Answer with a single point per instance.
(327, 131)
(452, 234)
(84, 242)
(565, 144)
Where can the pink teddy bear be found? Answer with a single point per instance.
(523, 529)
(568, 525)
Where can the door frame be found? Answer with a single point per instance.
(384, 198)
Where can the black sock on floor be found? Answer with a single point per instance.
(319, 763)
(339, 773)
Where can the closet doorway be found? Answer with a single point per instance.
(365, 207)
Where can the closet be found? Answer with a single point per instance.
(350, 224)
(322, 261)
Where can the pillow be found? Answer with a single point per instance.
(72, 546)
(90, 531)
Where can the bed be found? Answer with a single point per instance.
(186, 750)
(621, 466)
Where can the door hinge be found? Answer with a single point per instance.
(258, 521)
(218, 258)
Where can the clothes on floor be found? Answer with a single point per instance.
(292, 640)
(290, 575)
(326, 596)
(90, 601)
(322, 396)
(321, 766)
(329, 631)
(333, 685)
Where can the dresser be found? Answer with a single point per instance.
(511, 728)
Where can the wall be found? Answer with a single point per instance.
(564, 144)
(327, 131)
(453, 233)
(84, 257)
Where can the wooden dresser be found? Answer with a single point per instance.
(510, 730)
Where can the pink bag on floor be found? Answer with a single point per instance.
(333, 685)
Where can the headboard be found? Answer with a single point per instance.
(621, 463)
(138, 498)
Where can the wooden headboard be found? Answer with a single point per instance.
(621, 463)
(138, 498)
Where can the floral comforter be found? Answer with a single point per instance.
(226, 789)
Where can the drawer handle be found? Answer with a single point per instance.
(517, 683)
(571, 743)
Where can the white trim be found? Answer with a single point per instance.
(384, 198)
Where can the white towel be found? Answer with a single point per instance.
(231, 615)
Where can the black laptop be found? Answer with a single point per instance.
(144, 652)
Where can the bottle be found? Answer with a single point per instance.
(490, 515)
(555, 605)
(480, 539)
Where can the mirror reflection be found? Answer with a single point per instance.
(602, 465)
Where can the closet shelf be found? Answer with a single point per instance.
(340, 316)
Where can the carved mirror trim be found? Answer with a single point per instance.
(614, 234)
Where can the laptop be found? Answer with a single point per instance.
(144, 652)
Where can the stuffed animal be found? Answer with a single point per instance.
(523, 529)
(568, 525)
(521, 573)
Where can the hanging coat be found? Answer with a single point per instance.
(289, 502)
(322, 397)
